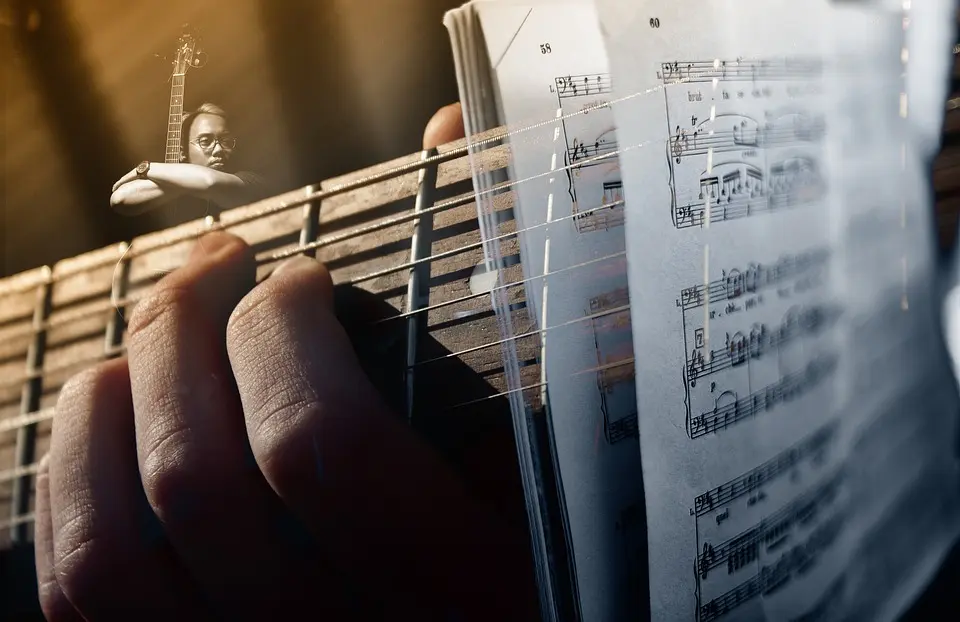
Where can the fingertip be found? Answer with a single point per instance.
(303, 266)
(217, 242)
(445, 126)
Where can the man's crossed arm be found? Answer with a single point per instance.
(167, 181)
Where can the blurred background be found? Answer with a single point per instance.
(314, 88)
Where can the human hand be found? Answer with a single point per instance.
(445, 126)
(127, 178)
(238, 464)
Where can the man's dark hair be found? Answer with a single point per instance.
(187, 123)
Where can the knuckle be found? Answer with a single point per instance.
(167, 476)
(160, 303)
(281, 438)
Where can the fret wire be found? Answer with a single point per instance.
(30, 402)
(311, 222)
(420, 244)
(118, 291)
(526, 335)
(373, 179)
(503, 287)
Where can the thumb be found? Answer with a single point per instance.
(445, 126)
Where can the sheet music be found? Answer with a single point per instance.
(797, 416)
(549, 65)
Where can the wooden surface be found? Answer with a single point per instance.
(81, 286)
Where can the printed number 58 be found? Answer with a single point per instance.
(545, 48)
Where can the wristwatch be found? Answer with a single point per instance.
(143, 168)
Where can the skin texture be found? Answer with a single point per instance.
(237, 464)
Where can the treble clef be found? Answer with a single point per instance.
(676, 148)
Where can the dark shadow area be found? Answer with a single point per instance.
(87, 133)
(300, 29)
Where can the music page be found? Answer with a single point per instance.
(797, 415)
(553, 87)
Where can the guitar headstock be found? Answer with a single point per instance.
(189, 53)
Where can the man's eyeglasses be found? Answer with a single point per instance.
(207, 142)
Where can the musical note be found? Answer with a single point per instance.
(765, 399)
(772, 578)
(770, 532)
(757, 278)
(583, 85)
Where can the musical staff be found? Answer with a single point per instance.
(583, 85)
(769, 534)
(754, 279)
(740, 69)
(810, 448)
(603, 219)
(796, 561)
(591, 151)
(722, 417)
(685, 144)
(739, 348)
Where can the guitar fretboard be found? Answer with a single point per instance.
(175, 118)
(401, 241)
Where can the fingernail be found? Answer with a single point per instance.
(210, 243)
(300, 262)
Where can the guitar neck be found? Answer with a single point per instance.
(175, 118)
(401, 239)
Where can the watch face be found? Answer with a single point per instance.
(142, 168)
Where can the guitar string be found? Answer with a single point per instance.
(326, 241)
(498, 288)
(540, 385)
(35, 374)
(48, 413)
(92, 310)
(368, 181)
(36, 417)
(21, 471)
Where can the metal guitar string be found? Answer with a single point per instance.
(128, 252)
(320, 195)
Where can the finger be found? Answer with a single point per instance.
(383, 506)
(445, 126)
(53, 602)
(109, 552)
(225, 522)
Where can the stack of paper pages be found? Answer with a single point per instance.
(725, 219)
